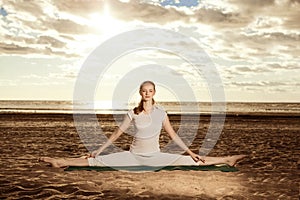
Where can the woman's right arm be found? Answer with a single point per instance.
(116, 134)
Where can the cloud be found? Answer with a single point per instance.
(64, 21)
(126, 11)
(260, 68)
(267, 86)
(253, 29)
(219, 19)
(237, 46)
(62, 77)
(53, 42)
(287, 10)
(37, 28)
(252, 41)
(8, 82)
(253, 5)
(284, 66)
(256, 69)
(261, 76)
(11, 48)
(66, 26)
(259, 83)
(80, 8)
(59, 23)
(148, 13)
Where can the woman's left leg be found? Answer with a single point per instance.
(187, 160)
(229, 160)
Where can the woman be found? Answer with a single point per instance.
(148, 119)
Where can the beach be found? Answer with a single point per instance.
(270, 171)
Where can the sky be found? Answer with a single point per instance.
(254, 46)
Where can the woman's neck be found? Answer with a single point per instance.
(147, 105)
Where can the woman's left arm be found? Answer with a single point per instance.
(169, 129)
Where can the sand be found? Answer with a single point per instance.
(271, 170)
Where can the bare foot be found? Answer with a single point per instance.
(54, 162)
(232, 160)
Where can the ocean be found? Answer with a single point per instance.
(105, 107)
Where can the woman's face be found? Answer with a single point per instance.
(147, 92)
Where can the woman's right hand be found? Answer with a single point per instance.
(95, 153)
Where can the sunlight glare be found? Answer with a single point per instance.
(105, 22)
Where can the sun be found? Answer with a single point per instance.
(104, 21)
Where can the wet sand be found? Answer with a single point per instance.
(271, 170)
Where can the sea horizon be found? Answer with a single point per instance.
(172, 107)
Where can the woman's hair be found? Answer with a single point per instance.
(137, 110)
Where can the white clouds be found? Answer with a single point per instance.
(8, 82)
(65, 22)
(269, 87)
(253, 42)
(284, 66)
(38, 28)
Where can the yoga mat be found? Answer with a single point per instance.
(222, 168)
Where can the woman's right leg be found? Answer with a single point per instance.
(64, 162)
(124, 158)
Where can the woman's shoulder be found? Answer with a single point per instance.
(130, 113)
(159, 107)
(160, 112)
